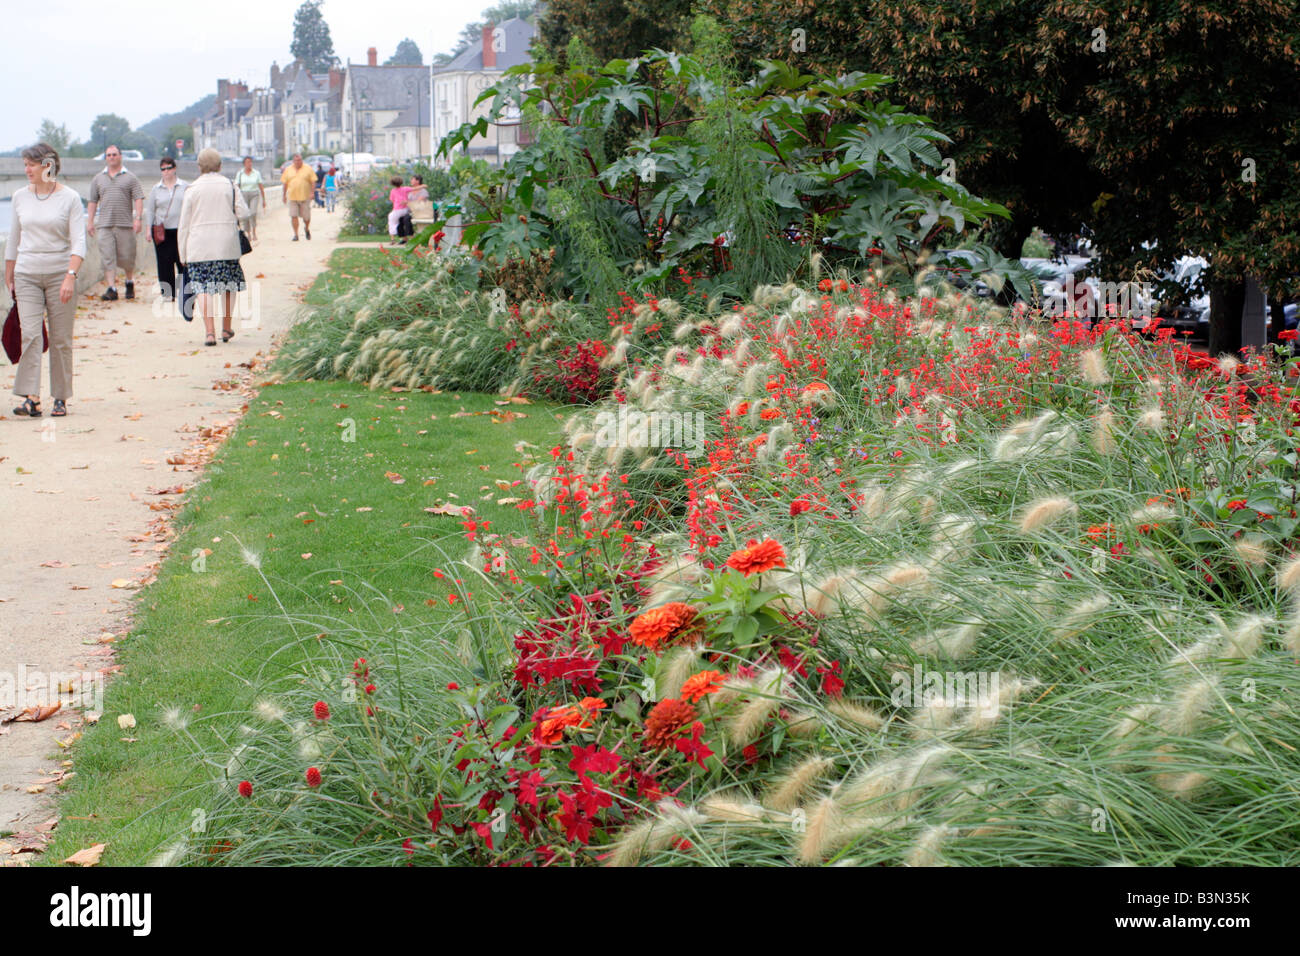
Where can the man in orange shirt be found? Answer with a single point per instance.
(297, 187)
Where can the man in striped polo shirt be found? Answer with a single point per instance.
(119, 199)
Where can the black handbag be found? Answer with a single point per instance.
(245, 247)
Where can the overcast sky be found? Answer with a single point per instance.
(70, 60)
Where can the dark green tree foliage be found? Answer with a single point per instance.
(613, 29)
(406, 54)
(107, 129)
(1166, 125)
(311, 37)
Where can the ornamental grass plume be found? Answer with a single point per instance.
(1288, 576)
(926, 851)
(856, 714)
(654, 834)
(1245, 639)
(787, 791)
(953, 643)
(1044, 512)
(1078, 619)
(764, 697)
(1103, 433)
(823, 831)
(1252, 551)
(1152, 419)
(1092, 365)
(1186, 713)
(678, 665)
(1291, 636)
(729, 809)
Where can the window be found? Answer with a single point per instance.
(370, 120)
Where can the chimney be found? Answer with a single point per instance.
(223, 90)
(489, 54)
(238, 91)
(275, 76)
(336, 79)
(372, 57)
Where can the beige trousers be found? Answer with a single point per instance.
(37, 296)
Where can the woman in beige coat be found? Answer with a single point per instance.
(209, 242)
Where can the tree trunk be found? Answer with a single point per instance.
(1227, 300)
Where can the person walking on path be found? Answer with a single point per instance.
(46, 246)
(331, 189)
(297, 186)
(162, 213)
(320, 185)
(113, 216)
(249, 181)
(209, 243)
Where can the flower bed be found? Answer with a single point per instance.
(932, 584)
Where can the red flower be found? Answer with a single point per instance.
(1287, 335)
(659, 626)
(313, 777)
(799, 506)
(698, 686)
(453, 686)
(321, 710)
(1236, 504)
(245, 789)
(435, 815)
(750, 753)
(758, 557)
(694, 748)
(666, 721)
(370, 688)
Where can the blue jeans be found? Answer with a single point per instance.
(329, 199)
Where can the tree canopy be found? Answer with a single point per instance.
(311, 37)
(406, 54)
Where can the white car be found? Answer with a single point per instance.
(128, 156)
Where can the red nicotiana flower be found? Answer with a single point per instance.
(321, 710)
(313, 777)
(245, 788)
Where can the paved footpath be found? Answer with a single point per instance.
(78, 501)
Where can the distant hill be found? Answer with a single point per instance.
(157, 128)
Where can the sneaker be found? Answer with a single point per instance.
(306, 232)
(295, 238)
(109, 296)
(130, 290)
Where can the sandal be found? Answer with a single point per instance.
(227, 335)
(210, 339)
(60, 408)
(29, 408)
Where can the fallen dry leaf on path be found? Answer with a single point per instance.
(87, 857)
(33, 714)
(394, 477)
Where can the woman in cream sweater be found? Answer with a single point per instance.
(209, 242)
(47, 242)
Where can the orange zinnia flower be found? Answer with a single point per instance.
(698, 686)
(578, 715)
(664, 625)
(666, 721)
(757, 557)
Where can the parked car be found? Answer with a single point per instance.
(128, 156)
(318, 158)
(354, 165)
(383, 162)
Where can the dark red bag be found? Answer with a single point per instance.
(13, 336)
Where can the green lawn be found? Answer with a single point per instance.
(346, 267)
(324, 485)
